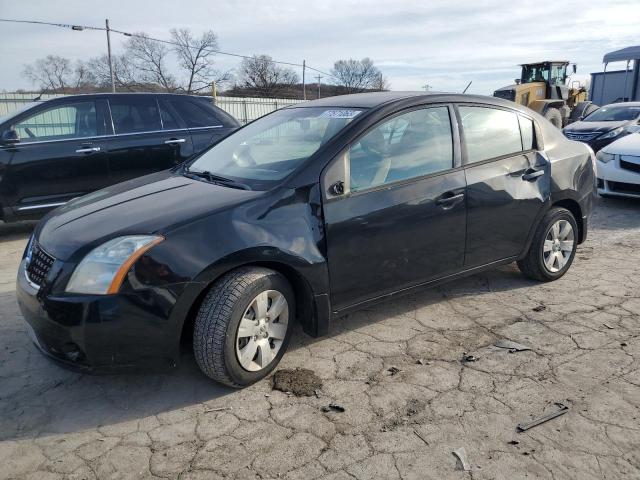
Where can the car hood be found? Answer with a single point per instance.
(594, 126)
(627, 145)
(152, 204)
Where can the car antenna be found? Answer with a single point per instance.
(467, 88)
(38, 97)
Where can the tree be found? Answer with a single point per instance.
(261, 74)
(195, 57)
(52, 73)
(148, 58)
(358, 75)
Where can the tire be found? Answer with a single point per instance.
(554, 116)
(218, 342)
(533, 264)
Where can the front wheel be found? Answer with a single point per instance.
(553, 246)
(554, 116)
(243, 326)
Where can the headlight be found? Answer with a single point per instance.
(104, 268)
(604, 157)
(612, 133)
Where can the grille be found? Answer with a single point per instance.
(622, 187)
(634, 167)
(40, 264)
(581, 137)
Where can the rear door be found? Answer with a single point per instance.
(401, 218)
(145, 138)
(60, 155)
(508, 182)
(207, 124)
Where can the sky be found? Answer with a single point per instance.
(444, 44)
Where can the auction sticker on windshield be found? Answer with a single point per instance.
(339, 113)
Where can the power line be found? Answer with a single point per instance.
(167, 42)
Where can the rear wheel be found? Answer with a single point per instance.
(243, 326)
(553, 246)
(554, 116)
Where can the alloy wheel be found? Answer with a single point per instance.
(262, 330)
(558, 247)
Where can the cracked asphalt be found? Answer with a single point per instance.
(583, 331)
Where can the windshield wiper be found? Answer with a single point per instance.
(227, 182)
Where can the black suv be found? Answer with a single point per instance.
(64, 148)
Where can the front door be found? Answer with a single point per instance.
(60, 155)
(508, 182)
(401, 218)
(144, 141)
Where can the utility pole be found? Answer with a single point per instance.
(113, 83)
(319, 77)
(304, 85)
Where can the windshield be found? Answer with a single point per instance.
(23, 108)
(614, 113)
(272, 147)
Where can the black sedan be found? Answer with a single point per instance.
(606, 125)
(302, 216)
(67, 147)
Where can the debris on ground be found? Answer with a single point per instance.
(317, 393)
(539, 308)
(219, 409)
(419, 435)
(422, 361)
(513, 442)
(608, 326)
(513, 347)
(393, 370)
(333, 407)
(299, 382)
(469, 358)
(461, 456)
(624, 344)
(414, 407)
(562, 409)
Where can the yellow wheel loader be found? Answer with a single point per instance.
(543, 87)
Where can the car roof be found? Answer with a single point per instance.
(123, 94)
(622, 104)
(379, 99)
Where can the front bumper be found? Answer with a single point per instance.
(100, 333)
(614, 180)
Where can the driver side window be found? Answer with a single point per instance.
(407, 146)
(75, 120)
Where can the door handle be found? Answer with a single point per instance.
(531, 174)
(174, 141)
(88, 150)
(449, 198)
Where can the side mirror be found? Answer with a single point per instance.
(575, 68)
(517, 81)
(9, 136)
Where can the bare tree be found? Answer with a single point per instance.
(52, 73)
(148, 58)
(265, 77)
(358, 75)
(195, 57)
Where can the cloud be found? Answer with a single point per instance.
(441, 43)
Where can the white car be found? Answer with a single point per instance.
(618, 167)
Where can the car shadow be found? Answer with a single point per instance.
(40, 398)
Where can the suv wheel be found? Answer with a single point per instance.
(243, 326)
(553, 247)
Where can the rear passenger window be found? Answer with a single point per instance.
(169, 119)
(526, 128)
(410, 145)
(131, 115)
(489, 133)
(195, 115)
